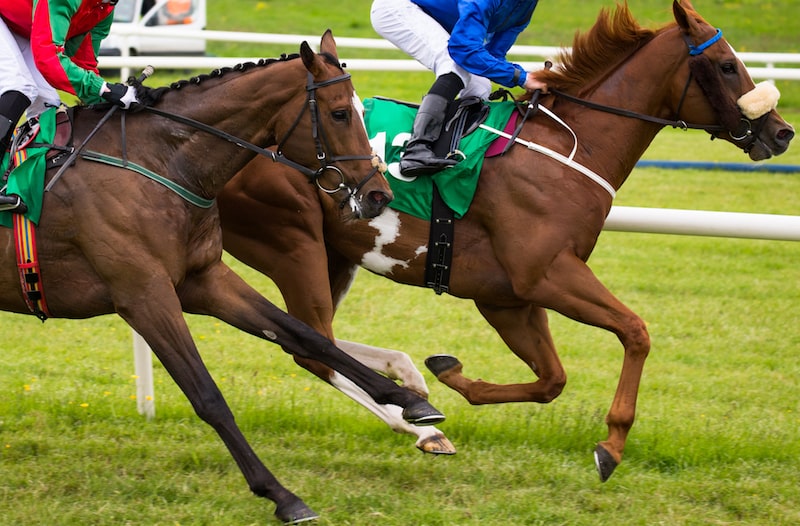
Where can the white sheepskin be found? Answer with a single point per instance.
(760, 100)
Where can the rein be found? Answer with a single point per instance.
(694, 51)
(319, 142)
(569, 161)
(312, 175)
(641, 116)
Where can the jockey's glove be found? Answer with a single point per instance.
(119, 94)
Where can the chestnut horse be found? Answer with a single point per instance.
(113, 241)
(634, 82)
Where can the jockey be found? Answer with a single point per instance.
(464, 42)
(49, 45)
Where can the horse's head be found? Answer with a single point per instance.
(342, 162)
(738, 110)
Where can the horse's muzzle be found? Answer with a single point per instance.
(372, 203)
(769, 145)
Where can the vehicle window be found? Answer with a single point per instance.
(124, 11)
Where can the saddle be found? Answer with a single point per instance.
(62, 144)
(39, 145)
(42, 155)
(463, 116)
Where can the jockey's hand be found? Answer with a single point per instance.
(119, 94)
(532, 83)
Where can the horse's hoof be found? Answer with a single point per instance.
(604, 462)
(422, 414)
(437, 445)
(296, 513)
(439, 363)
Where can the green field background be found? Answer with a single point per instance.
(716, 436)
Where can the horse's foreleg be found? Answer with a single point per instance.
(163, 327)
(396, 365)
(526, 332)
(429, 438)
(573, 290)
(221, 293)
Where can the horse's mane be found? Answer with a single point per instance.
(613, 38)
(149, 96)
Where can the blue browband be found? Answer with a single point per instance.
(697, 50)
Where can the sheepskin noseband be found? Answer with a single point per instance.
(759, 101)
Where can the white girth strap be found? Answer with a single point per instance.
(566, 161)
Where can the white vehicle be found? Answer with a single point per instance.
(177, 15)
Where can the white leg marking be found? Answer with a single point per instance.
(396, 365)
(391, 414)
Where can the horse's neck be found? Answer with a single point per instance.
(243, 108)
(642, 85)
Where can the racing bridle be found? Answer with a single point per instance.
(320, 143)
(742, 130)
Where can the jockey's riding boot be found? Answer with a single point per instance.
(12, 105)
(418, 158)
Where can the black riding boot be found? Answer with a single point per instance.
(419, 158)
(12, 105)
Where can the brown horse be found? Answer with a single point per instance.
(113, 241)
(634, 82)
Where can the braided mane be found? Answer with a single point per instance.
(614, 37)
(149, 96)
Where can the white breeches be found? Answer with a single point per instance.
(407, 26)
(18, 72)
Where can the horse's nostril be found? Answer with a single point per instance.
(786, 134)
(380, 198)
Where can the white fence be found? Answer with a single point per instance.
(771, 66)
(628, 219)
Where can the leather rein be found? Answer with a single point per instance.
(326, 163)
(747, 136)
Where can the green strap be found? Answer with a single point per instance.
(178, 189)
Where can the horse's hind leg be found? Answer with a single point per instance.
(526, 332)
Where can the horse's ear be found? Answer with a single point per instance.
(685, 15)
(308, 56)
(328, 44)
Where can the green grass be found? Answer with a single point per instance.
(715, 441)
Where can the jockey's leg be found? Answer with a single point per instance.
(12, 105)
(418, 158)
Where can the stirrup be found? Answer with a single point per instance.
(413, 168)
(13, 204)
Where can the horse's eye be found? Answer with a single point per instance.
(728, 68)
(340, 115)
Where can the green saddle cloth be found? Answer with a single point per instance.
(389, 125)
(27, 179)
